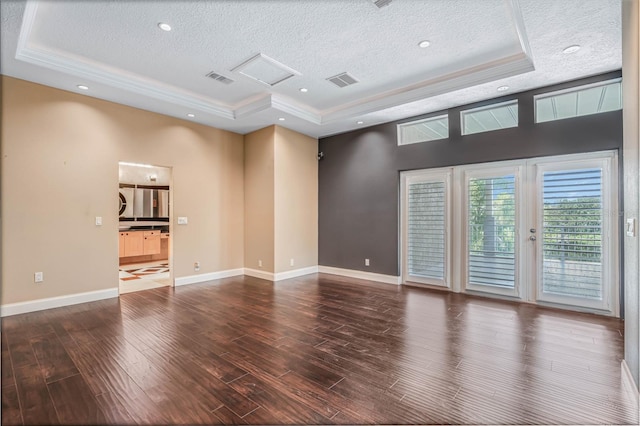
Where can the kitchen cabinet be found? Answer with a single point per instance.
(143, 246)
(151, 242)
(140, 243)
(133, 243)
(121, 244)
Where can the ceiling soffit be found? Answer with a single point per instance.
(491, 69)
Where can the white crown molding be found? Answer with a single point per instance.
(28, 19)
(484, 73)
(56, 302)
(93, 71)
(284, 105)
(255, 106)
(518, 21)
(89, 70)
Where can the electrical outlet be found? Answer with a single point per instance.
(366, 262)
(183, 220)
(38, 277)
(196, 266)
(291, 262)
(98, 220)
(260, 263)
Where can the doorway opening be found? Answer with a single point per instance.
(144, 234)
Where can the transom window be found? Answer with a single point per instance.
(426, 130)
(578, 101)
(491, 117)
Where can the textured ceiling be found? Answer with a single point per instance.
(116, 48)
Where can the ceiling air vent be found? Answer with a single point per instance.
(343, 80)
(265, 70)
(382, 3)
(221, 78)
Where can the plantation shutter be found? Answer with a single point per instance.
(491, 231)
(426, 230)
(572, 233)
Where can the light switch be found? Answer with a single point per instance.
(183, 220)
(631, 227)
(98, 220)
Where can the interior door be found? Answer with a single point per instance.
(574, 247)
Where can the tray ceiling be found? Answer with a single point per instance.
(240, 65)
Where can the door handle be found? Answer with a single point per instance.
(532, 238)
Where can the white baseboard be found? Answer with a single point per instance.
(351, 273)
(629, 384)
(295, 273)
(259, 274)
(280, 275)
(56, 302)
(200, 278)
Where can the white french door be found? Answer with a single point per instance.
(492, 218)
(426, 223)
(542, 230)
(575, 249)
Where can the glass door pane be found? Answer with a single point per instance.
(572, 235)
(491, 232)
(426, 221)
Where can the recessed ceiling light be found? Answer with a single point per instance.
(571, 49)
(83, 87)
(281, 118)
(164, 26)
(360, 122)
(424, 44)
(304, 89)
(191, 115)
(503, 88)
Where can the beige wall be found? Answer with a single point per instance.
(296, 200)
(281, 200)
(259, 202)
(60, 154)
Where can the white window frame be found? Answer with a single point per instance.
(432, 175)
(463, 116)
(546, 95)
(488, 170)
(608, 163)
(400, 126)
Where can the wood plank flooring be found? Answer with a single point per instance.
(319, 349)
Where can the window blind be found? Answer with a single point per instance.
(426, 230)
(491, 231)
(572, 233)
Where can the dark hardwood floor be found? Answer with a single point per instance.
(318, 349)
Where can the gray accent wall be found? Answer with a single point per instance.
(359, 176)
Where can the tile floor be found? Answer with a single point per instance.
(144, 276)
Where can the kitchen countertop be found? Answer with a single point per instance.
(125, 226)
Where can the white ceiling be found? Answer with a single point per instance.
(117, 49)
